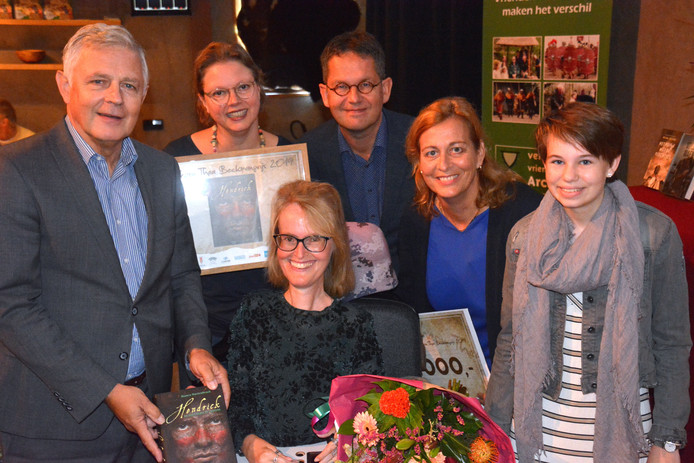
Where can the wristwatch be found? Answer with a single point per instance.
(670, 446)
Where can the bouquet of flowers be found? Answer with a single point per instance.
(389, 420)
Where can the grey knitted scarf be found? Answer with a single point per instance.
(607, 252)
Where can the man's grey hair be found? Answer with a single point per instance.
(101, 35)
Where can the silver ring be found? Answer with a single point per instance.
(274, 460)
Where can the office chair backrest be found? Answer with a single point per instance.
(397, 329)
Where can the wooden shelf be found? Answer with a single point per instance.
(52, 42)
(56, 22)
(10, 62)
(31, 67)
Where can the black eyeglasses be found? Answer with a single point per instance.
(365, 87)
(313, 243)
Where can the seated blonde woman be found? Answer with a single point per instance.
(287, 345)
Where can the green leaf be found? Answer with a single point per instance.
(347, 428)
(454, 447)
(388, 385)
(426, 399)
(414, 418)
(371, 398)
(386, 422)
(404, 444)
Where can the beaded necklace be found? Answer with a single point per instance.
(214, 141)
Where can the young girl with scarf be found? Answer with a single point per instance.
(594, 312)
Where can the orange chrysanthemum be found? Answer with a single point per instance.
(395, 403)
(483, 451)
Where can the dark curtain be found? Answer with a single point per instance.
(433, 49)
(286, 37)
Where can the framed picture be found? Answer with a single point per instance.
(160, 7)
(229, 196)
(453, 351)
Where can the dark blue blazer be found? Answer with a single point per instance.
(325, 163)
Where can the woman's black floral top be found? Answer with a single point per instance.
(282, 361)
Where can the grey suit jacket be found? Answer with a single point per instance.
(325, 163)
(66, 315)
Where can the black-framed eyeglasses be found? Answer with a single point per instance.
(220, 96)
(312, 243)
(365, 87)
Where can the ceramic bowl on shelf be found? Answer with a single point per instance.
(31, 56)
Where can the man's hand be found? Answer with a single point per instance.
(209, 371)
(132, 407)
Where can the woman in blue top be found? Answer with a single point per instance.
(451, 242)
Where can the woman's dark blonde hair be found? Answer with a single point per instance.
(496, 183)
(321, 204)
(221, 52)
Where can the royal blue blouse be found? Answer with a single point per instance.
(456, 270)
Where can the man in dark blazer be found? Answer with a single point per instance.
(361, 151)
(99, 278)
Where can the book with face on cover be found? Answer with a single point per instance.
(196, 426)
(679, 177)
(660, 162)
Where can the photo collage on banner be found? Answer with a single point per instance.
(536, 58)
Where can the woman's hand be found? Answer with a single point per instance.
(329, 453)
(258, 450)
(660, 455)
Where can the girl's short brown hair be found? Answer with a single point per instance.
(598, 130)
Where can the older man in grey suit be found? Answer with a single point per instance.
(99, 278)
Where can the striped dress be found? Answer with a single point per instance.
(568, 422)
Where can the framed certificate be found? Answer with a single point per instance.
(229, 196)
(453, 351)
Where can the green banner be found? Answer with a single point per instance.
(539, 55)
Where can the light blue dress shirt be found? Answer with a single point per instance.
(124, 209)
